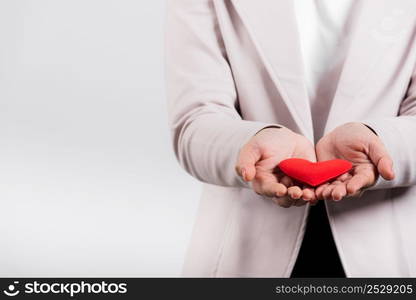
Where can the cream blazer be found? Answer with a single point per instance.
(234, 67)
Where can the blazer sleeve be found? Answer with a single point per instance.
(207, 129)
(399, 136)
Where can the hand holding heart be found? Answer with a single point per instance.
(356, 143)
(258, 160)
(352, 142)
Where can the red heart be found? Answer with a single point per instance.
(312, 173)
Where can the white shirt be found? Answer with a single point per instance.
(324, 27)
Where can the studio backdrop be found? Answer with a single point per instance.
(89, 185)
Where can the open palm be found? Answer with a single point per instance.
(356, 143)
(258, 160)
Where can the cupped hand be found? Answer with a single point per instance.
(356, 143)
(263, 152)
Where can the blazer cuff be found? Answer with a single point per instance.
(389, 130)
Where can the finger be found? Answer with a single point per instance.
(247, 159)
(344, 177)
(385, 168)
(381, 159)
(294, 192)
(269, 188)
(319, 191)
(326, 194)
(285, 202)
(339, 192)
(266, 184)
(308, 194)
(358, 182)
(281, 190)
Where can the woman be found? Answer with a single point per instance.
(251, 83)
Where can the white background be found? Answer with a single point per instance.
(89, 185)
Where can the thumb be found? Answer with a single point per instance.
(381, 159)
(246, 163)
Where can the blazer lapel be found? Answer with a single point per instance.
(379, 25)
(273, 28)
